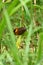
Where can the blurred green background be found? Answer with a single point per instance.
(27, 48)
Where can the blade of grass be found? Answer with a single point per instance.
(8, 43)
(29, 34)
(38, 6)
(36, 29)
(2, 26)
(40, 48)
(16, 56)
(27, 45)
(2, 23)
(39, 63)
(26, 9)
(12, 5)
(16, 8)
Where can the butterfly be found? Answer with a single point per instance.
(19, 31)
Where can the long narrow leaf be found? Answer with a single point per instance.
(16, 56)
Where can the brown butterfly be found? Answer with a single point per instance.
(19, 31)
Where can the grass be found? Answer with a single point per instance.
(10, 54)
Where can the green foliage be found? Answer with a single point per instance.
(18, 13)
